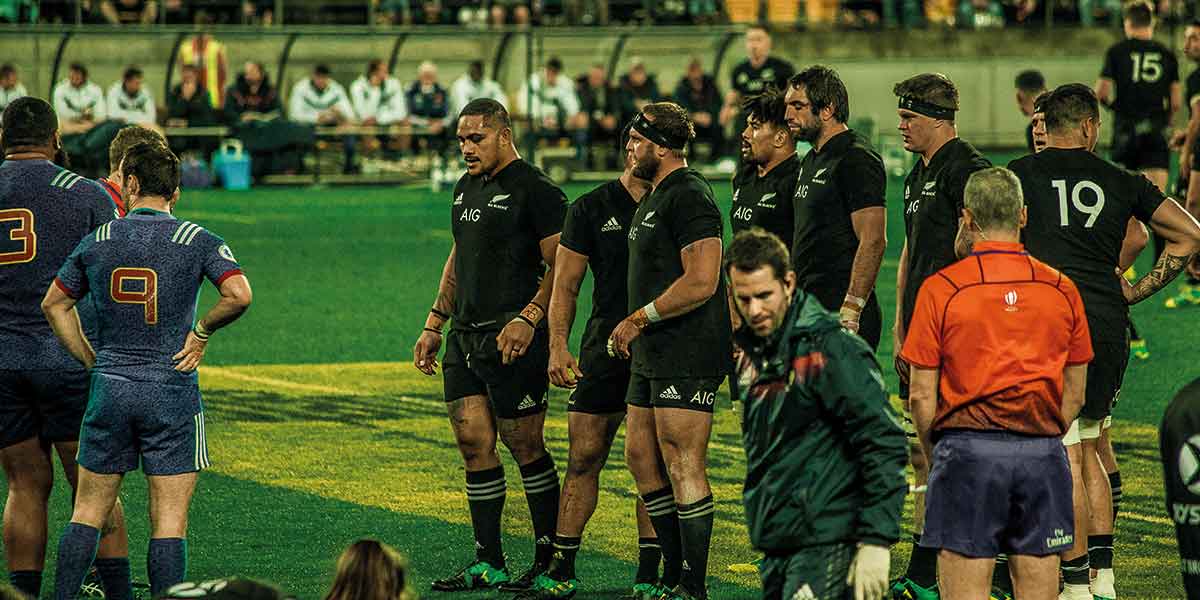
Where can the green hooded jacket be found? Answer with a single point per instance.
(825, 455)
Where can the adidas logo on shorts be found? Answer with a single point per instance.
(526, 404)
(611, 225)
(670, 394)
(804, 593)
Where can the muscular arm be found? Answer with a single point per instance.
(701, 268)
(1133, 244)
(1104, 91)
(1182, 234)
(901, 286)
(444, 302)
(569, 268)
(870, 226)
(922, 394)
(235, 299)
(59, 309)
(1074, 385)
(549, 248)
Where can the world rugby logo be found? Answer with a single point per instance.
(1011, 300)
(1189, 464)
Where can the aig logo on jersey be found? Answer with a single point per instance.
(470, 215)
(743, 213)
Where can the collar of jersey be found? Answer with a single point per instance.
(838, 142)
(149, 213)
(985, 247)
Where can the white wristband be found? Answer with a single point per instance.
(651, 312)
(855, 300)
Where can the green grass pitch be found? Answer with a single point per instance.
(321, 431)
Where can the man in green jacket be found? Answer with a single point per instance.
(825, 455)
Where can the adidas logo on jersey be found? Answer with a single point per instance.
(458, 200)
(804, 593)
(65, 180)
(670, 394)
(526, 404)
(186, 233)
(611, 225)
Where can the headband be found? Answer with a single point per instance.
(643, 126)
(928, 109)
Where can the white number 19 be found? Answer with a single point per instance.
(1091, 210)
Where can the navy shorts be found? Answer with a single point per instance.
(472, 366)
(160, 424)
(999, 493)
(601, 391)
(47, 405)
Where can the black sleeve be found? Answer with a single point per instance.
(547, 208)
(1109, 70)
(956, 180)
(693, 217)
(861, 180)
(1149, 198)
(577, 229)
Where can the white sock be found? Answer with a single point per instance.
(1104, 584)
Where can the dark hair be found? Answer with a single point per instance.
(127, 138)
(1139, 13)
(1068, 105)
(7, 69)
(672, 119)
(755, 248)
(155, 166)
(131, 73)
(934, 88)
(1037, 102)
(824, 89)
(28, 121)
(79, 67)
(476, 66)
(767, 107)
(374, 64)
(554, 64)
(322, 69)
(1030, 81)
(494, 114)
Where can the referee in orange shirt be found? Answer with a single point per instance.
(999, 347)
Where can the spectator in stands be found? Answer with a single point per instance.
(130, 102)
(378, 99)
(207, 55)
(83, 121)
(698, 94)
(321, 101)
(548, 100)
(752, 75)
(472, 85)
(129, 12)
(10, 86)
(601, 102)
(638, 88)
(1030, 84)
(252, 108)
(258, 12)
(980, 14)
(428, 108)
(370, 570)
(514, 12)
(78, 102)
(189, 105)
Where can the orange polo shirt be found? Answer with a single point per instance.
(1001, 326)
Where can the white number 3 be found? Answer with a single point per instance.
(1091, 210)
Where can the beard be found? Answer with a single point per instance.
(807, 133)
(646, 168)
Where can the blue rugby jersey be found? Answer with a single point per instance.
(144, 274)
(44, 211)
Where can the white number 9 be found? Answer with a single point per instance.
(1091, 210)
